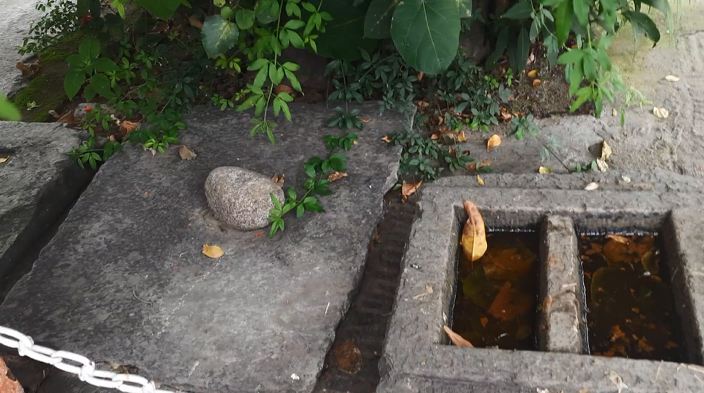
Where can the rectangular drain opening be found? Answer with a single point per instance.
(630, 303)
(495, 297)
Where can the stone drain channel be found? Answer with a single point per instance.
(417, 357)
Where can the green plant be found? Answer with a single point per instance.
(7, 110)
(89, 153)
(346, 119)
(317, 183)
(424, 158)
(89, 68)
(59, 18)
(522, 126)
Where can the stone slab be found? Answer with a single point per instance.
(18, 15)
(39, 183)
(124, 280)
(416, 356)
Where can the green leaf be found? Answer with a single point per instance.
(377, 22)
(267, 11)
(465, 7)
(73, 81)
(219, 35)
(100, 84)
(518, 51)
(581, 11)
(563, 21)
(244, 18)
(8, 111)
(300, 210)
(643, 22)
(105, 65)
(347, 27)
(426, 33)
(89, 48)
(520, 10)
(164, 9)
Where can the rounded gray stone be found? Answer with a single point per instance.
(241, 198)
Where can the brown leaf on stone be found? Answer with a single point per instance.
(8, 383)
(473, 239)
(186, 154)
(127, 126)
(212, 251)
(493, 142)
(480, 180)
(456, 339)
(348, 357)
(195, 22)
(408, 189)
(606, 151)
(335, 176)
(283, 88)
(510, 304)
(279, 180)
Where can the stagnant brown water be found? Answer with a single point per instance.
(496, 295)
(630, 307)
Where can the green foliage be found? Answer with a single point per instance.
(89, 68)
(425, 159)
(88, 153)
(7, 110)
(316, 185)
(522, 126)
(59, 18)
(346, 119)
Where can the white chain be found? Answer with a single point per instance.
(76, 364)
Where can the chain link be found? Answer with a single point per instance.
(76, 364)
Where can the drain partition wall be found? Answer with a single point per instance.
(417, 357)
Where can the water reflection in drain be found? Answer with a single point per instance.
(630, 307)
(496, 295)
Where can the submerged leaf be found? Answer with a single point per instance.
(456, 339)
(473, 234)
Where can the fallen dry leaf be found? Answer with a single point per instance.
(510, 304)
(8, 383)
(283, 88)
(127, 126)
(428, 291)
(537, 82)
(505, 114)
(493, 142)
(480, 181)
(602, 165)
(543, 170)
(4, 159)
(386, 139)
(408, 189)
(348, 357)
(606, 151)
(212, 251)
(461, 137)
(456, 339)
(279, 180)
(618, 238)
(591, 186)
(186, 154)
(335, 176)
(672, 78)
(661, 113)
(532, 74)
(473, 234)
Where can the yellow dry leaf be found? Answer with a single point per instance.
(543, 170)
(480, 181)
(335, 176)
(606, 151)
(456, 339)
(461, 137)
(186, 154)
(618, 238)
(473, 234)
(4, 159)
(408, 189)
(212, 251)
(493, 142)
(386, 139)
(532, 74)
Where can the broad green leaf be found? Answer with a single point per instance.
(219, 35)
(563, 21)
(643, 22)
(344, 35)
(518, 51)
(89, 48)
(377, 22)
(73, 81)
(244, 18)
(581, 11)
(164, 9)
(8, 111)
(267, 11)
(426, 33)
(104, 64)
(520, 10)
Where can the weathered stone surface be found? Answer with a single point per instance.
(241, 198)
(39, 183)
(124, 280)
(17, 17)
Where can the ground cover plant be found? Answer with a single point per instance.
(136, 66)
